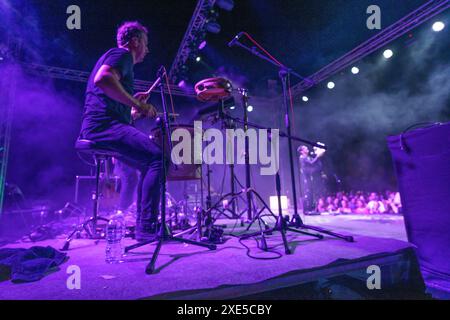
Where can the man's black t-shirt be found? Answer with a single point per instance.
(100, 111)
(310, 166)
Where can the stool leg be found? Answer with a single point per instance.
(98, 163)
(92, 221)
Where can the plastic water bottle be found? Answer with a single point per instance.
(121, 218)
(114, 235)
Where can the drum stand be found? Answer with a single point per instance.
(164, 234)
(228, 123)
(205, 217)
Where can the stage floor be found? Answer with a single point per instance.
(183, 271)
(376, 225)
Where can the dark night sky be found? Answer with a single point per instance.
(353, 119)
(305, 35)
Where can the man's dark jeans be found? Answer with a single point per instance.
(137, 150)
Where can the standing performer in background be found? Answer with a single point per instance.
(319, 175)
(310, 177)
(107, 117)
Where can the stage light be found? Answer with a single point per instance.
(388, 53)
(226, 5)
(330, 85)
(355, 70)
(232, 107)
(305, 98)
(182, 84)
(202, 45)
(273, 200)
(198, 59)
(250, 108)
(213, 27)
(438, 26)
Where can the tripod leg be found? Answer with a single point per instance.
(196, 243)
(84, 226)
(222, 213)
(331, 233)
(90, 226)
(69, 239)
(264, 246)
(138, 245)
(287, 250)
(257, 217)
(296, 221)
(190, 230)
(150, 269)
(319, 236)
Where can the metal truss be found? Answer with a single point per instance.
(396, 30)
(83, 76)
(196, 25)
(6, 116)
(7, 93)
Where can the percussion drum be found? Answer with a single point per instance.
(181, 171)
(213, 89)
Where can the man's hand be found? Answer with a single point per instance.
(135, 115)
(146, 109)
(319, 152)
(143, 108)
(142, 96)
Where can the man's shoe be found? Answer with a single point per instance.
(146, 232)
(141, 236)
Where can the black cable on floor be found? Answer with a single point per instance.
(278, 255)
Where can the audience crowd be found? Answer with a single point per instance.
(360, 203)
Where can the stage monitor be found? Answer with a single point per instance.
(422, 163)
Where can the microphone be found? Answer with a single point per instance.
(235, 39)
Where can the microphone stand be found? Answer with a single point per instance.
(164, 234)
(244, 94)
(283, 74)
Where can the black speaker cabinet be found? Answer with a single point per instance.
(422, 163)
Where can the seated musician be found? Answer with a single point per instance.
(107, 117)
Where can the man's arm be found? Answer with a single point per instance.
(318, 155)
(310, 161)
(108, 79)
